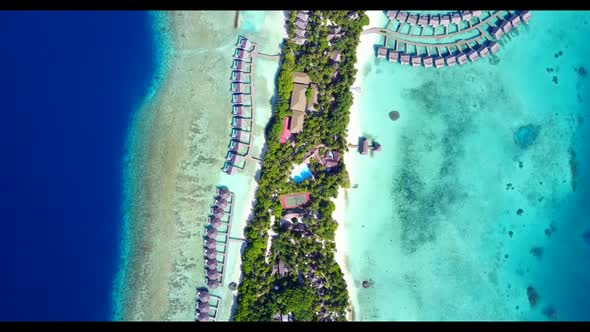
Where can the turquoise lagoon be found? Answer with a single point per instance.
(461, 212)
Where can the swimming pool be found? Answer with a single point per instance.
(301, 173)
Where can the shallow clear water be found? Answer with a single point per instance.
(434, 221)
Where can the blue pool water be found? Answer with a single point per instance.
(301, 173)
(70, 82)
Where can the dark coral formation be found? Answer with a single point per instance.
(394, 115)
(510, 234)
(525, 136)
(519, 212)
(573, 168)
(368, 283)
(537, 252)
(548, 232)
(586, 237)
(533, 296)
(550, 313)
(554, 79)
(581, 71)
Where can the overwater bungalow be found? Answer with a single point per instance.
(381, 52)
(434, 21)
(300, 24)
(427, 61)
(496, 32)
(466, 15)
(391, 14)
(456, 18)
(217, 212)
(302, 16)
(223, 193)
(514, 20)
(240, 65)
(203, 307)
(402, 16)
(212, 274)
(393, 56)
(423, 20)
(211, 243)
(238, 135)
(439, 62)
(238, 76)
(211, 264)
(472, 55)
(215, 222)
(221, 203)
(412, 19)
(404, 59)
(212, 284)
(525, 16)
(241, 54)
(240, 98)
(291, 201)
(505, 26)
(235, 146)
(461, 58)
(239, 87)
(212, 233)
(416, 60)
(483, 51)
(493, 47)
(240, 110)
(476, 13)
(240, 123)
(445, 20)
(245, 44)
(364, 146)
(451, 60)
(203, 296)
(203, 317)
(210, 253)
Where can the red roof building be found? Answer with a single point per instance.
(286, 132)
(292, 201)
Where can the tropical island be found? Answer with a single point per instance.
(289, 269)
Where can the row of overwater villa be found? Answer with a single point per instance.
(242, 92)
(216, 245)
(475, 34)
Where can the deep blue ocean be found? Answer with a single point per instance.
(69, 84)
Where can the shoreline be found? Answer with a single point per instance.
(364, 55)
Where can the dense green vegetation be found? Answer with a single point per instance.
(259, 299)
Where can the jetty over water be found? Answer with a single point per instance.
(425, 40)
(243, 105)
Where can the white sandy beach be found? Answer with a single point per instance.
(365, 54)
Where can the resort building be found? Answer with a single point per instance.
(295, 200)
(298, 106)
(336, 56)
(331, 159)
(311, 105)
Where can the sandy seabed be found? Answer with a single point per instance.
(177, 147)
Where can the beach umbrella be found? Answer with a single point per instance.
(211, 233)
(212, 274)
(203, 307)
(203, 317)
(210, 243)
(224, 193)
(212, 284)
(211, 253)
(211, 264)
(218, 213)
(215, 222)
(221, 203)
(203, 296)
